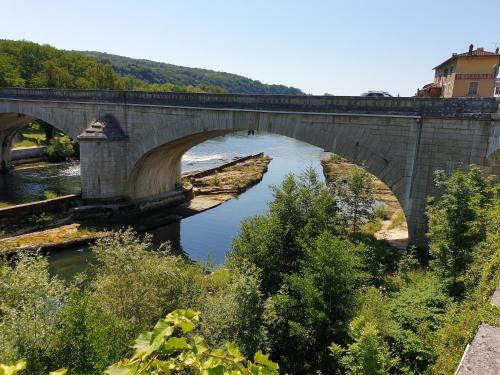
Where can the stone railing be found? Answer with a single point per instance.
(405, 106)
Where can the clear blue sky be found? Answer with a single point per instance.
(341, 47)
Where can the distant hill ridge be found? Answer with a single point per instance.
(160, 73)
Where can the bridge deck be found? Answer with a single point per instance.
(427, 107)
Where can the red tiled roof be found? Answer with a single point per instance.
(476, 52)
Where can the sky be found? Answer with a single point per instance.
(339, 47)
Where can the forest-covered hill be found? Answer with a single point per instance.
(159, 73)
(28, 64)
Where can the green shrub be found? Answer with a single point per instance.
(47, 194)
(60, 148)
(30, 301)
(382, 212)
(336, 158)
(40, 220)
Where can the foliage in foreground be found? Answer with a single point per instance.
(332, 306)
(160, 351)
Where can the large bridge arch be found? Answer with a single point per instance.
(385, 146)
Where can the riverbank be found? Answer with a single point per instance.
(393, 228)
(211, 188)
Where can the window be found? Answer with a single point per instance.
(473, 88)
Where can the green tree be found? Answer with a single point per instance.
(9, 72)
(138, 283)
(418, 310)
(274, 242)
(457, 222)
(367, 355)
(315, 305)
(355, 196)
(30, 300)
(59, 148)
(232, 311)
(53, 76)
(103, 77)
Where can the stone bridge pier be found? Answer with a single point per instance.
(131, 143)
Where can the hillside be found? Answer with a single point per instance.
(160, 73)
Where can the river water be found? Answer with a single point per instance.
(206, 236)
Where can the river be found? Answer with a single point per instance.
(206, 236)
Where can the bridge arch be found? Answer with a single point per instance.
(12, 123)
(156, 169)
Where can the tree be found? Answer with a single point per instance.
(368, 354)
(9, 73)
(232, 311)
(104, 78)
(355, 196)
(417, 309)
(457, 222)
(275, 242)
(30, 300)
(315, 305)
(59, 148)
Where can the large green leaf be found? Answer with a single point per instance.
(142, 345)
(13, 369)
(233, 350)
(118, 370)
(263, 359)
(175, 343)
(61, 371)
(161, 330)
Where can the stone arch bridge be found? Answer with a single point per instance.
(131, 143)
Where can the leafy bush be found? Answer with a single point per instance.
(232, 311)
(274, 242)
(40, 220)
(161, 352)
(47, 194)
(382, 212)
(315, 305)
(59, 148)
(457, 223)
(30, 301)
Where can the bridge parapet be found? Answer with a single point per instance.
(403, 106)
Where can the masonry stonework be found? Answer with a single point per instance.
(131, 144)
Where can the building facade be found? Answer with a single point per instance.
(472, 73)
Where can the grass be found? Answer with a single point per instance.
(29, 139)
(382, 212)
(399, 219)
(237, 177)
(4, 204)
(47, 194)
(53, 237)
(372, 226)
(40, 220)
(336, 158)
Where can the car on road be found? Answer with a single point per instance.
(377, 93)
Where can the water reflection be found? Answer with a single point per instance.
(29, 184)
(209, 234)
